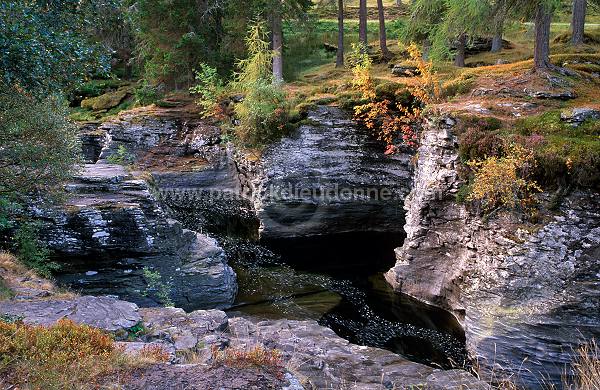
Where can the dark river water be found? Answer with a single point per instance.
(338, 281)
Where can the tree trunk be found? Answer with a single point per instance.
(277, 36)
(426, 48)
(339, 60)
(498, 26)
(362, 23)
(459, 60)
(385, 53)
(541, 50)
(578, 21)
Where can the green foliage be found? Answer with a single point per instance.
(136, 331)
(175, 36)
(40, 148)
(157, 287)
(442, 21)
(44, 45)
(40, 151)
(257, 65)
(464, 192)
(209, 87)
(121, 156)
(303, 47)
(31, 252)
(147, 93)
(95, 88)
(359, 57)
(263, 112)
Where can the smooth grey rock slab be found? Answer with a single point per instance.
(106, 313)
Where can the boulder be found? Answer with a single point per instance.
(578, 115)
(405, 70)
(322, 359)
(112, 233)
(107, 100)
(107, 313)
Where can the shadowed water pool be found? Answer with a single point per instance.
(338, 281)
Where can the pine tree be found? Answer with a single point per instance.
(445, 23)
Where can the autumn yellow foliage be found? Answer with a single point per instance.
(504, 181)
(61, 356)
(386, 119)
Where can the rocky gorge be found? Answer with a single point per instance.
(526, 294)
(150, 217)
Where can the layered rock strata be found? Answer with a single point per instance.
(526, 294)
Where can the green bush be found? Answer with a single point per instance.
(157, 287)
(263, 114)
(147, 93)
(209, 87)
(31, 252)
(120, 157)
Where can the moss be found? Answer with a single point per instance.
(458, 86)
(106, 101)
(323, 101)
(387, 90)
(567, 154)
(79, 114)
(95, 88)
(167, 103)
(350, 99)
(588, 38)
(550, 123)
(303, 108)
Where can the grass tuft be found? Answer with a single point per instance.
(63, 356)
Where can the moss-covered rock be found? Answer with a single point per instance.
(106, 101)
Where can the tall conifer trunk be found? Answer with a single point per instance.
(498, 26)
(362, 22)
(541, 51)
(385, 52)
(578, 21)
(277, 36)
(459, 60)
(339, 60)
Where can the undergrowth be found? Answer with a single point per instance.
(63, 356)
(257, 356)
